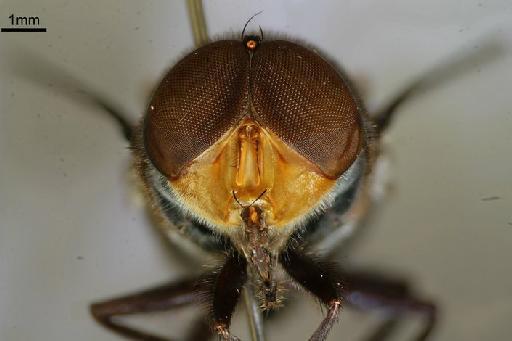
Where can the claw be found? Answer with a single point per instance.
(323, 329)
(224, 333)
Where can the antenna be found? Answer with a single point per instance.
(247, 23)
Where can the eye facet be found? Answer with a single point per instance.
(293, 93)
(303, 100)
(199, 100)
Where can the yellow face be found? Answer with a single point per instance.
(247, 161)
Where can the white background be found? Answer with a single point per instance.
(70, 232)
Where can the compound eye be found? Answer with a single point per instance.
(198, 101)
(306, 102)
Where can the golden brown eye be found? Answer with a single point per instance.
(303, 100)
(294, 93)
(199, 100)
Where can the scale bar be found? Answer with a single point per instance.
(23, 29)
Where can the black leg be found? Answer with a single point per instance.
(226, 292)
(162, 298)
(359, 290)
(321, 281)
(372, 292)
